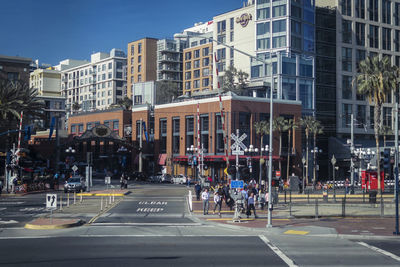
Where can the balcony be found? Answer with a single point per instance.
(168, 59)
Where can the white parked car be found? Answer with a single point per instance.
(179, 179)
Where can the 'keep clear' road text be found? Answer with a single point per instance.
(155, 206)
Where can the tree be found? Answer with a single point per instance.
(376, 78)
(262, 129)
(125, 103)
(316, 129)
(385, 131)
(76, 106)
(307, 123)
(166, 91)
(234, 80)
(280, 124)
(292, 125)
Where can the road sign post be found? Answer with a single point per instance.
(51, 204)
(236, 148)
(74, 168)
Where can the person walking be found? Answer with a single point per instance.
(205, 197)
(251, 206)
(217, 202)
(347, 185)
(197, 189)
(122, 181)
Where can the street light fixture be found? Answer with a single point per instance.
(333, 161)
(192, 149)
(315, 151)
(251, 150)
(70, 150)
(303, 160)
(262, 150)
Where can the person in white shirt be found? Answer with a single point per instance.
(205, 196)
(217, 202)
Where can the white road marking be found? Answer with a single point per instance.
(7, 222)
(32, 209)
(2, 209)
(12, 203)
(145, 224)
(278, 252)
(384, 252)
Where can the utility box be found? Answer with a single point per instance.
(294, 183)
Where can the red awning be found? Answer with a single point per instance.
(161, 159)
(221, 158)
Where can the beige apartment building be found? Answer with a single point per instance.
(197, 69)
(141, 62)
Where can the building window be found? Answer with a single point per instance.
(221, 26)
(163, 135)
(188, 55)
(346, 31)
(187, 85)
(73, 129)
(373, 36)
(188, 65)
(196, 84)
(360, 34)
(219, 134)
(373, 10)
(206, 61)
(206, 82)
(262, 28)
(80, 128)
(132, 50)
(278, 41)
(206, 72)
(397, 40)
(244, 125)
(386, 11)
(138, 99)
(188, 75)
(346, 115)
(346, 87)
(139, 59)
(360, 56)
(221, 53)
(139, 77)
(140, 68)
(197, 53)
(396, 14)
(263, 43)
(196, 63)
(139, 48)
(232, 23)
(386, 39)
(189, 131)
(206, 51)
(360, 9)
(346, 7)
(176, 135)
(387, 116)
(279, 26)
(279, 11)
(346, 59)
(196, 74)
(263, 13)
(361, 116)
(204, 126)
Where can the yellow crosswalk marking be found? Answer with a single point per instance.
(295, 232)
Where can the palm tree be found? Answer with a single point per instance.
(262, 129)
(385, 131)
(307, 122)
(376, 79)
(280, 125)
(316, 129)
(292, 125)
(125, 103)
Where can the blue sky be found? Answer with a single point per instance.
(53, 30)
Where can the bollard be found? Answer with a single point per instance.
(285, 196)
(363, 195)
(290, 196)
(74, 197)
(106, 202)
(113, 196)
(382, 207)
(60, 202)
(68, 199)
(110, 200)
(308, 196)
(343, 207)
(81, 196)
(316, 209)
(290, 209)
(101, 203)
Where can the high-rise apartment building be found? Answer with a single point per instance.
(141, 62)
(197, 66)
(236, 29)
(96, 84)
(15, 68)
(363, 28)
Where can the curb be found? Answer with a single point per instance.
(103, 194)
(55, 226)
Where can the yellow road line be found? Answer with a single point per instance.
(243, 219)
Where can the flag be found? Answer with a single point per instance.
(145, 132)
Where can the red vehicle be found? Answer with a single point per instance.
(370, 180)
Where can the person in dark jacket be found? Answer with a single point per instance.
(197, 189)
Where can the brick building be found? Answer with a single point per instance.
(173, 128)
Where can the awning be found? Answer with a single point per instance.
(222, 158)
(161, 159)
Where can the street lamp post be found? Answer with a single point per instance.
(262, 150)
(303, 160)
(70, 150)
(333, 161)
(251, 150)
(315, 151)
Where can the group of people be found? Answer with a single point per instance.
(246, 199)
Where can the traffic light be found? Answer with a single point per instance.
(386, 159)
(232, 170)
(27, 135)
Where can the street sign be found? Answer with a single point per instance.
(51, 201)
(238, 152)
(278, 173)
(74, 168)
(237, 184)
(107, 180)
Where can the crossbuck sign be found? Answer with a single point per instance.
(238, 145)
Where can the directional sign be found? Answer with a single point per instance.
(237, 184)
(74, 168)
(51, 201)
(238, 152)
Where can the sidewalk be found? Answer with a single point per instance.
(360, 219)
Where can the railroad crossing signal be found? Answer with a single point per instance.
(237, 145)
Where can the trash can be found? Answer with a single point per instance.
(372, 196)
